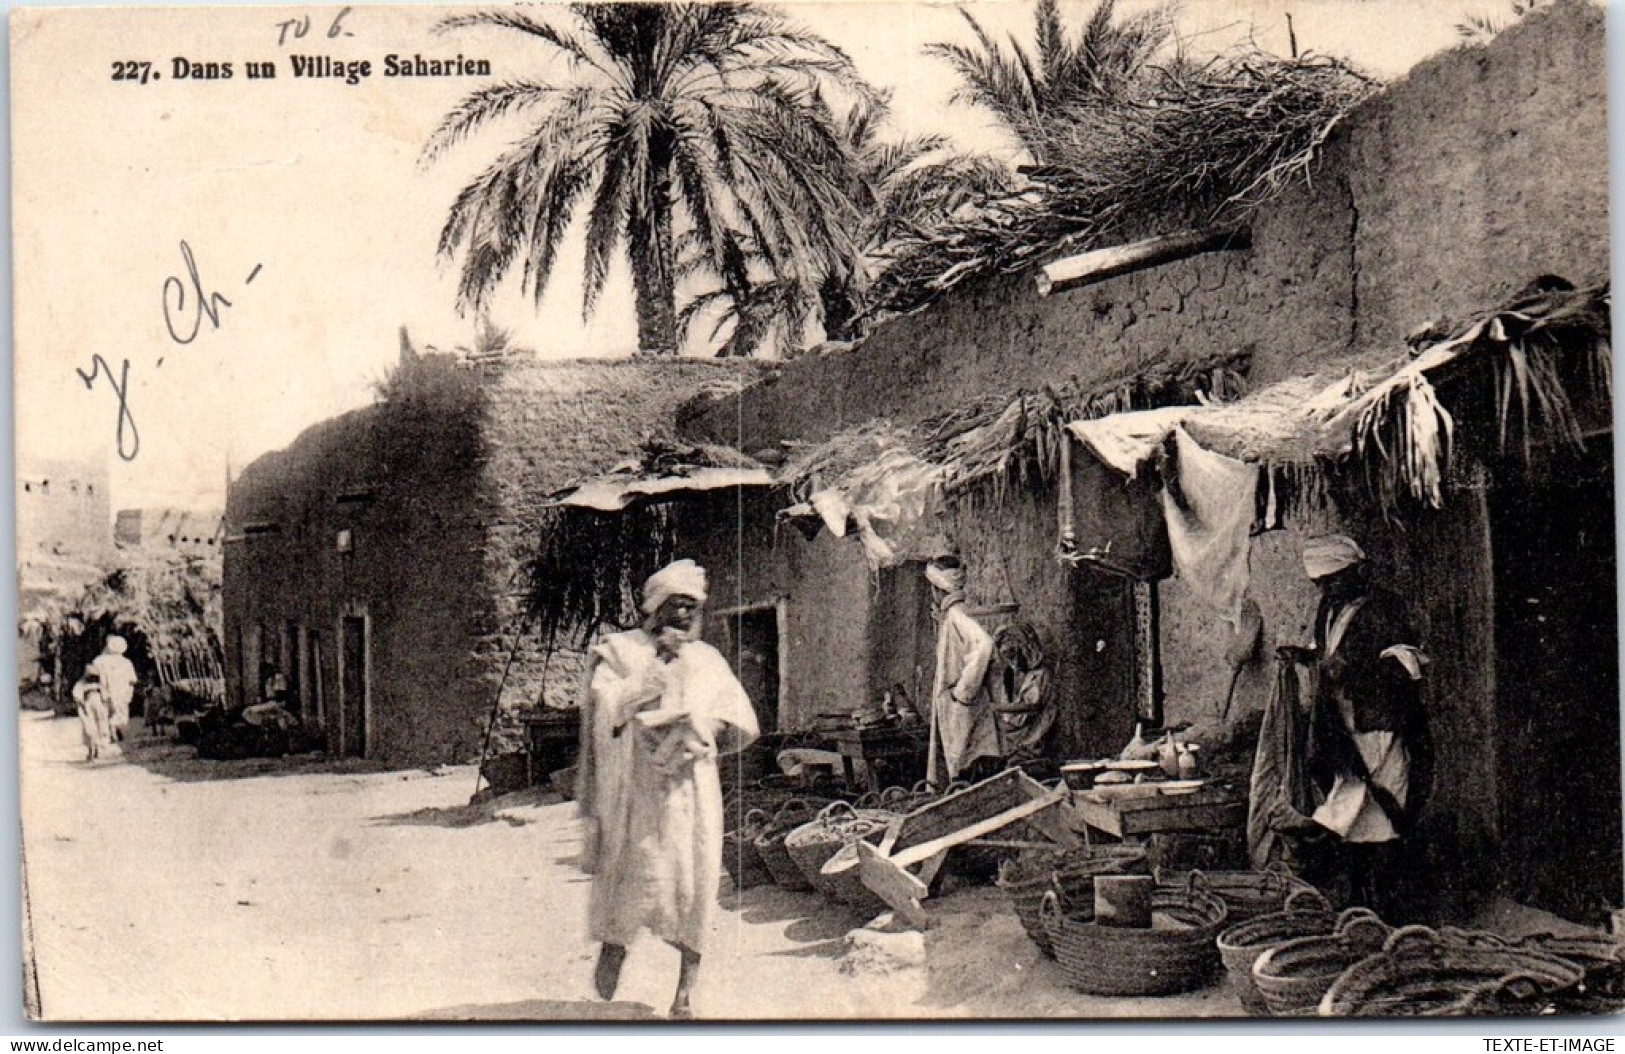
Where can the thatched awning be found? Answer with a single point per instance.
(616, 492)
(662, 471)
(1545, 352)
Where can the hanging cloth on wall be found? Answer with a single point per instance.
(1209, 502)
(1281, 795)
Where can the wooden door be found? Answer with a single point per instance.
(353, 687)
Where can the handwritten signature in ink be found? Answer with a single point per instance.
(187, 297)
(187, 303)
(129, 437)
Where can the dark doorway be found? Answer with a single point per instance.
(291, 668)
(316, 713)
(753, 652)
(353, 689)
(903, 635)
(1102, 699)
(1557, 689)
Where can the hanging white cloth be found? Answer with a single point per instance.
(1210, 523)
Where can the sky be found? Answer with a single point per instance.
(311, 223)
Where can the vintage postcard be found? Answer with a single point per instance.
(823, 511)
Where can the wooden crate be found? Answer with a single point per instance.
(1210, 808)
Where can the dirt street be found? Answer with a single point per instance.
(168, 888)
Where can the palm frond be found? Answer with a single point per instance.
(482, 107)
(519, 22)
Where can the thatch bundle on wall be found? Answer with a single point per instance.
(1212, 142)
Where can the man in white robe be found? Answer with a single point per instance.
(118, 677)
(90, 700)
(964, 727)
(660, 706)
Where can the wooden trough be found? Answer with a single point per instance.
(901, 868)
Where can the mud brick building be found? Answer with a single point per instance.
(1422, 212)
(376, 563)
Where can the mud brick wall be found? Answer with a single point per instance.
(62, 511)
(1483, 168)
(825, 585)
(442, 487)
(415, 572)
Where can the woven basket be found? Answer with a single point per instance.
(1602, 989)
(739, 855)
(1176, 955)
(770, 843)
(1293, 976)
(1307, 914)
(1421, 973)
(1246, 894)
(1069, 872)
(812, 845)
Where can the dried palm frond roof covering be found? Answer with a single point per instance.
(884, 471)
(1225, 136)
(1019, 442)
(1517, 372)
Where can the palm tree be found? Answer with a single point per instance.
(1062, 77)
(896, 185)
(696, 117)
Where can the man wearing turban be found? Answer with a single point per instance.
(1025, 699)
(118, 679)
(963, 725)
(660, 705)
(1369, 750)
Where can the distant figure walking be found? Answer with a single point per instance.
(117, 675)
(91, 704)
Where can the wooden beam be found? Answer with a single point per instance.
(926, 850)
(1086, 268)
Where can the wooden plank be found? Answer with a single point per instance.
(1101, 264)
(917, 853)
(1215, 794)
(1051, 823)
(1100, 816)
(1201, 818)
(928, 870)
(901, 891)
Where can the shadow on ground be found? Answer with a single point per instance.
(491, 810)
(544, 1010)
(171, 759)
(811, 917)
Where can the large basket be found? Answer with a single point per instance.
(770, 843)
(812, 844)
(1176, 955)
(1070, 872)
(739, 855)
(1293, 976)
(1602, 989)
(1246, 894)
(1307, 914)
(1421, 973)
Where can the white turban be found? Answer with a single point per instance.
(1329, 554)
(116, 645)
(681, 578)
(947, 579)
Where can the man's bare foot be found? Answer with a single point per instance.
(606, 977)
(687, 973)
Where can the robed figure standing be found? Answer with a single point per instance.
(660, 706)
(964, 728)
